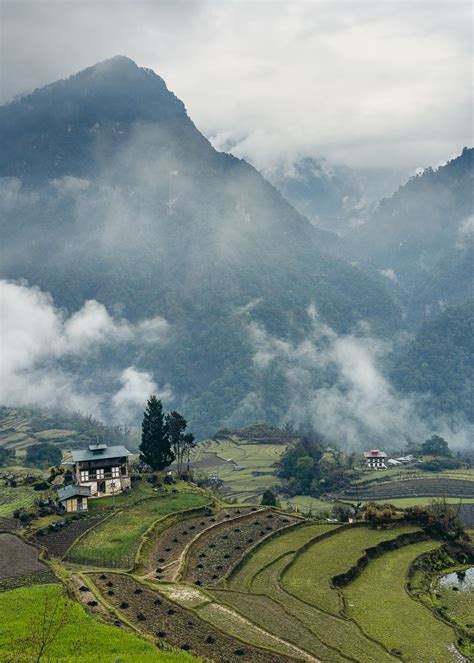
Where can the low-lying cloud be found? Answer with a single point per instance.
(47, 355)
(337, 384)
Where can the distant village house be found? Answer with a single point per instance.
(375, 459)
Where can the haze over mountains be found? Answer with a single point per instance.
(176, 268)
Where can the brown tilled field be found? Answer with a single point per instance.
(212, 554)
(171, 543)
(173, 625)
(58, 541)
(19, 564)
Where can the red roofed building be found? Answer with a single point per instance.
(375, 459)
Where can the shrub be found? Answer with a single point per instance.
(268, 498)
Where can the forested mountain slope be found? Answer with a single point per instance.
(424, 235)
(440, 361)
(109, 192)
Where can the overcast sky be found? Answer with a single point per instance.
(362, 83)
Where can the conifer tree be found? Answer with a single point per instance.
(176, 425)
(155, 448)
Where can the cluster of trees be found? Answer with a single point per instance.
(310, 467)
(164, 437)
(440, 361)
(43, 456)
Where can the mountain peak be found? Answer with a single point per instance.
(115, 90)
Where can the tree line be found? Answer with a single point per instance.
(164, 438)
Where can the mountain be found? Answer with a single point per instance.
(423, 237)
(440, 361)
(109, 192)
(333, 197)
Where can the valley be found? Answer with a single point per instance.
(236, 333)
(184, 571)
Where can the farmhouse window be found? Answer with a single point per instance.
(115, 472)
(84, 475)
(100, 473)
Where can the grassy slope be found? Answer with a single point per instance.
(83, 640)
(24, 427)
(115, 541)
(316, 565)
(11, 499)
(378, 601)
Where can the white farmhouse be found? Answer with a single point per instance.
(375, 459)
(103, 469)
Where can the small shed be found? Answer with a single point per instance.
(74, 498)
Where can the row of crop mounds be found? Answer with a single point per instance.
(171, 624)
(114, 542)
(437, 487)
(170, 543)
(19, 564)
(220, 547)
(58, 540)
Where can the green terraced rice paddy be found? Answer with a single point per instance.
(82, 640)
(264, 554)
(328, 637)
(377, 599)
(316, 565)
(114, 542)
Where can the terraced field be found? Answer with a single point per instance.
(378, 598)
(170, 623)
(115, 541)
(11, 499)
(212, 554)
(171, 538)
(58, 541)
(19, 564)
(247, 583)
(246, 468)
(316, 565)
(409, 488)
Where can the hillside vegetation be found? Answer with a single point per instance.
(21, 428)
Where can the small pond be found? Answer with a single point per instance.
(462, 580)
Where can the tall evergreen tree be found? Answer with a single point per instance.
(176, 425)
(155, 447)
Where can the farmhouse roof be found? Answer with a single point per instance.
(99, 451)
(72, 491)
(375, 453)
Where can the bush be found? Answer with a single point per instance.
(268, 498)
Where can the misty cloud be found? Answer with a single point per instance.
(337, 383)
(465, 234)
(136, 388)
(43, 348)
(274, 82)
(389, 273)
